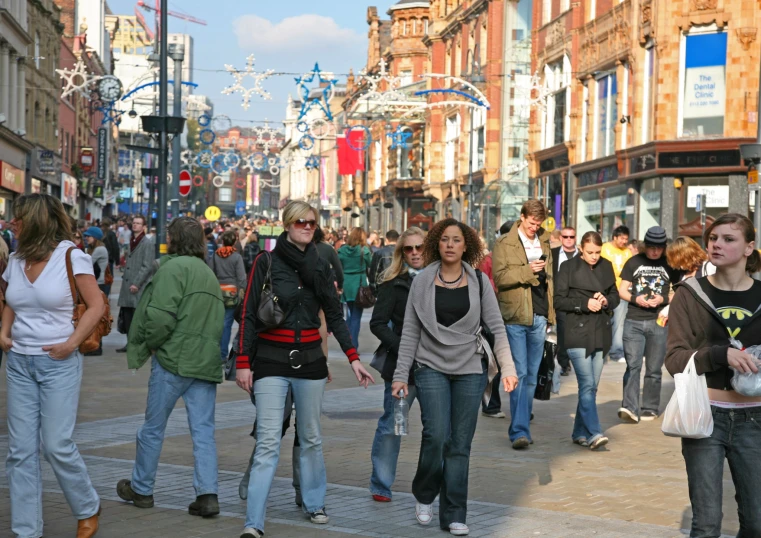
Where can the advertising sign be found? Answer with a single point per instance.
(102, 152)
(11, 178)
(86, 160)
(68, 189)
(716, 195)
(705, 91)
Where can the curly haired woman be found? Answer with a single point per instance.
(452, 363)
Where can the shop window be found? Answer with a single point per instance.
(556, 120)
(607, 115)
(648, 93)
(602, 214)
(650, 204)
(704, 84)
(225, 194)
(452, 147)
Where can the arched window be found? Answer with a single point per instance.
(414, 26)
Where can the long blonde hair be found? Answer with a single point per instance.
(397, 263)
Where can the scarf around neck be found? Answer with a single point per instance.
(225, 252)
(304, 262)
(135, 241)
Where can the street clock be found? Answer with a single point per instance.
(110, 88)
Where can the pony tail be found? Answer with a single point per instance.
(753, 263)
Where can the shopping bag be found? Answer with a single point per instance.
(688, 413)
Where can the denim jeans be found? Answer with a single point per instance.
(449, 410)
(737, 437)
(43, 396)
(270, 395)
(164, 389)
(224, 344)
(354, 322)
(527, 346)
(588, 369)
(619, 316)
(648, 339)
(386, 445)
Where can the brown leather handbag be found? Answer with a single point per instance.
(365, 296)
(103, 328)
(269, 311)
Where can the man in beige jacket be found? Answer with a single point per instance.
(523, 276)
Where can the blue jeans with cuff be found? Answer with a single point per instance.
(386, 445)
(527, 347)
(43, 396)
(164, 389)
(588, 370)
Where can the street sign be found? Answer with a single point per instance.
(699, 203)
(186, 183)
(753, 178)
(102, 152)
(240, 207)
(212, 213)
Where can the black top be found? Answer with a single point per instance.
(388, 320)
(327, 252)
(734, 307)
(648, 278)
(451, 305)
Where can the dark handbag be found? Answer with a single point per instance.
(546, 371)
(365, 296)
(485, 330)
(121, 323)
(269, 312)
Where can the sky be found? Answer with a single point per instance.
(284, 35)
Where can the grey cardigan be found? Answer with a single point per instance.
(229, 270)
(451, 350)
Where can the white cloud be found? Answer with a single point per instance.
(304, 33)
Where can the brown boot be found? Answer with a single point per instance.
(87, 528)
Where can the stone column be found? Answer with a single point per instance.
(13, 104)
(669, 214)
(4, 80)
(21, 115)
(738, 194)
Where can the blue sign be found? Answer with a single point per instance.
(240, 207)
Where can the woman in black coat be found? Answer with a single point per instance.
(585, 288)
(386, 324)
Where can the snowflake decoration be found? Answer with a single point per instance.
(239, 87)
(326, 92)
(312, 162)
(268, 137)
(374, 93)
(399, 138)
(204, 158)
(77, 80)
(110, 114)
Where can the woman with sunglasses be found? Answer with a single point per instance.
(355, 258)
(272, 361)
(386, 324)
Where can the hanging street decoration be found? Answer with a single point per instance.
(77, 80)
(326, 92)
(239, 86)
(110, 113)
(268, 137)
(204, 120)
(204, 158)
(306, 142)
(312, 162)
(399, 138)
(207, 136)
(383, 98)
(364, 141)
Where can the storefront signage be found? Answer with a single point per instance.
(102, 152)
(86, 160)
(716, 195)
(601, 175)
(699, 159)
(705, 91)
(643, 163)
(11, 178)
(68, 189)
(99, 190)
(46, 161)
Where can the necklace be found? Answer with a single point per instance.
(453, 283)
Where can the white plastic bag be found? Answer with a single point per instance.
(747, 384)
(688, 413)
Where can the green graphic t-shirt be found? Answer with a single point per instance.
(734, 307)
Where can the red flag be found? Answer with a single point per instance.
(349, 159)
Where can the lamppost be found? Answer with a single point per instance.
(473, 76)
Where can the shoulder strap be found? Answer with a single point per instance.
(480, 283)
(70, 274)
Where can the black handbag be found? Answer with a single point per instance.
(546, 371)
(121, 323)
(269, 312)
(365, 296)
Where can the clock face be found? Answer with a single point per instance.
(110, 88)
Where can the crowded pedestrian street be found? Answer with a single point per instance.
(636, 487)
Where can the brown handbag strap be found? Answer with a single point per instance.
(72, 280)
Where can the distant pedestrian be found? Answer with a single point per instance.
(567, 250)
(355, 259)
(382, 259)
(99, 254)
(618, 253)
(227, 265)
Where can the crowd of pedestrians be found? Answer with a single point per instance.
(457, 326)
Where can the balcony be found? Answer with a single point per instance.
(605, 39)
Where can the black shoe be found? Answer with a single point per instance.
(299, 501)
(566, 371)
(320, 517)
(125, 492)
(532, 417)
(521, 442)
(122, 350)
(204, 506)
(97, 353)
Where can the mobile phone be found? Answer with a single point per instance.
(543, 257)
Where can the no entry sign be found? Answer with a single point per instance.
(186, 183)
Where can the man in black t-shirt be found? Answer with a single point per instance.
(645, 284)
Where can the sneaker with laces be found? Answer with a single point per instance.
(498, 414)
(319, 517)
(424, 513)
(458, 529)
(627, 416)
(598, 442)
(250, 532)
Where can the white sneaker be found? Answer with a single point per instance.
(423, 513)
(498, 414)
(250, 532)
(458, 529)
(627, 416)
(319, 517)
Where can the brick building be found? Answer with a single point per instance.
(637, 116)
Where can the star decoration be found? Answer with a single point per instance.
(312, 162)
(390, 93)
(77, 80)
(268, 137)
(399, 138)
(110, 114)
(239, 87)
(326, 92)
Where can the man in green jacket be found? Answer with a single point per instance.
(179, 323)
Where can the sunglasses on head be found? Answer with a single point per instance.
(303, 223)
(409, 248)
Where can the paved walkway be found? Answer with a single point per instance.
(637, 487)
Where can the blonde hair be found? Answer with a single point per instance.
(296, 210)
(397, 262)
(44, 224)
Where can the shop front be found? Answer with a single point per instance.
(602, 201)
(11, 184)
(550, 185)
(45, 172)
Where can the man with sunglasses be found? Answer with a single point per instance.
(566, 251)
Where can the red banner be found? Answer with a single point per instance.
(349, 159)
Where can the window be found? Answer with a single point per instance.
(37, 50)
(479, 134)
(704, 84)
(556, 119)
(404, 27)
(404, 160)
(565, 5)
(606, 115)
(425, 26)
(406, 77)
(225, 194)
(648, 97)
(452, 147)
(546, 11)
(414, 26)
